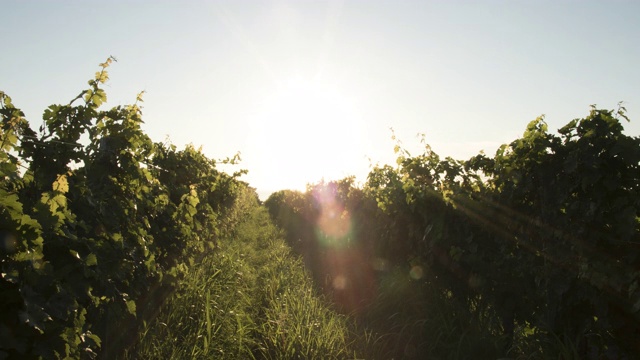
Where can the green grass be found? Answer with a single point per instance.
(411, 320)
(253, 299)
(250, 299)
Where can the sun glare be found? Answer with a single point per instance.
(306, 131)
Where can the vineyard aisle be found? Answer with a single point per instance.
(251, 298)
(114, 246)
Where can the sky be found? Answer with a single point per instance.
(306, 90)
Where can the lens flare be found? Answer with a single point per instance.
(340, 282)
(351, 274)
(416, 272)
(334, 222)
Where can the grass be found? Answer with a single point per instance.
(253, 299)
(411, 320)
(250, 299)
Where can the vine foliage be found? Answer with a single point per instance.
(96, 224)
(537, 243)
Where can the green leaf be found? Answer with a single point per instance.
(131, 307)
(93, 337)
(91, 260)
(117, 237)
(61, 184)
(88, 94)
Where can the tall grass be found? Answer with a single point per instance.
(411, 319)
(250, 299)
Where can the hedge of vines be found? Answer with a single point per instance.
(544, 235)
(96, 224)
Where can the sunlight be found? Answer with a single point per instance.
(334, 222)
(352, 284)
(305, 131)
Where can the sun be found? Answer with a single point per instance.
(306, 130)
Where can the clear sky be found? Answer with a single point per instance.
(309, 89)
